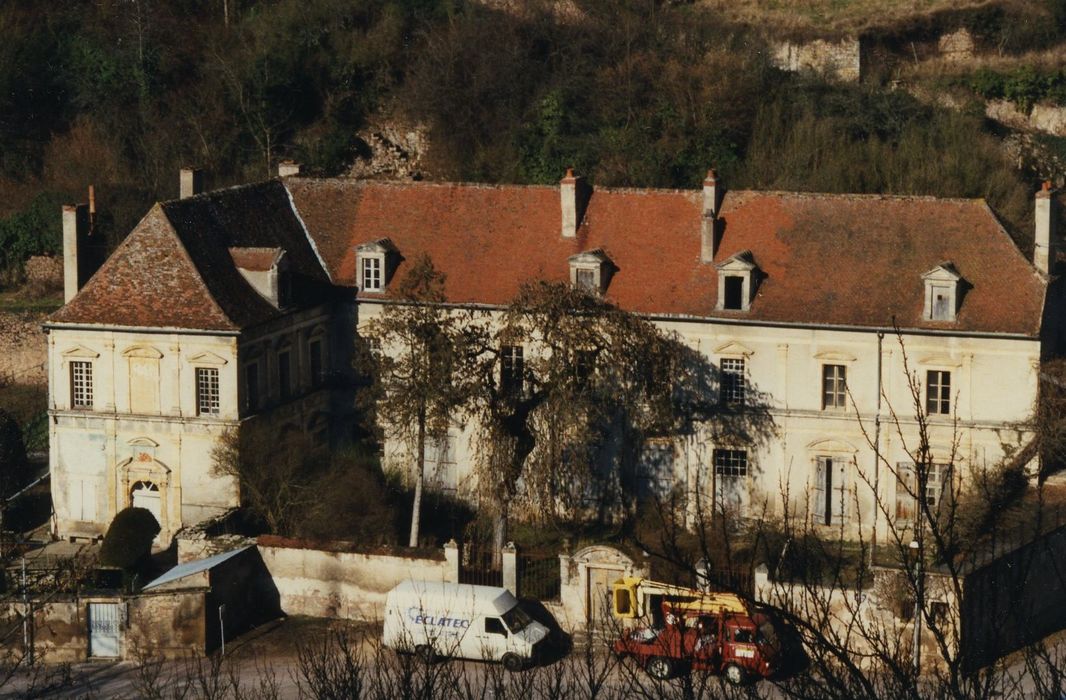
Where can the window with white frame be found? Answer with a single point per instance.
(834, 386)
(655, 470)
(935, 491)
(440, 467)
(732, 381)
(938, 392)
(829, 491)
(512, 370)
(730, 478)
(207, 393)
(372, 274)
(81, 384)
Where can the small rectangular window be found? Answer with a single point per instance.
(314, 352)
(938, 392)
(834, 386)
(586, 279)
(512, 370)
(941, 298)
(730, 475)
(207, 394)
(439, 463)
(372, 274)
(284, 376)
(81, 384)
(251, 386)
(734, 293)
(936, 490)
(732, 382)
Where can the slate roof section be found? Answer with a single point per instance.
(175, 269)
(840, 260)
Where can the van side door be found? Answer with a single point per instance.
(494, 638)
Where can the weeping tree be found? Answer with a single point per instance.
(571, 387)
(421, 368)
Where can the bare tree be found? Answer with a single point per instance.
(423, 371)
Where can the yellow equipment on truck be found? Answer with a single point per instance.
(634, 598)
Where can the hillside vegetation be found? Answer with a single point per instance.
(121, 93)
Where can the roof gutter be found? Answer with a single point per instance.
(708, 320)
(156, 330)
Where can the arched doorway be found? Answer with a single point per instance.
(145, 494)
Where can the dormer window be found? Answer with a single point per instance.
(591, 271)
(371, 274)
(375, 263)
(267, 270)
(942, 292)
(737, 279)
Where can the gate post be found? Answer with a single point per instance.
(451, 561)
(510, 568)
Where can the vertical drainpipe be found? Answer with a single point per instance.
(877, 447)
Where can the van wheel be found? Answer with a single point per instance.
(735, 674)
(426, 653)
(513, 663)
(659, 667)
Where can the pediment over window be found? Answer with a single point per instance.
(834, 356)
(733, 348)
(939, 360)
(142, 442)
(80, 351)
(145, 351)
(943, 292)
(207, 358)
(737, 278)
(830, 446)
(591, 270)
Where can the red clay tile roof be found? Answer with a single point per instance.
(846, 260)
(255, 259)
(174, 270)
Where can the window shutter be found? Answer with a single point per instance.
(840, 485)
(904, 492)
(818, 492)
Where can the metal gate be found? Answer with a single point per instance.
(476, 565)
(104, 630)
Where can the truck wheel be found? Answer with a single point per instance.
(735, 674)
(513, 662)
(659, 667)
(426, 653)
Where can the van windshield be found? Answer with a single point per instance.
(516, 619)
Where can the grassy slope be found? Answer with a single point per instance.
(827, 17)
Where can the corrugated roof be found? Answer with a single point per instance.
(194, 567)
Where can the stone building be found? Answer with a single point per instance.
(793, 297)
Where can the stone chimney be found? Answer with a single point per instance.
(75, 235)
(1043, 243)
(288, 168)
(574, 195)
(712, 199)
(192, 182)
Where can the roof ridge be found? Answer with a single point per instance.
(199, 275)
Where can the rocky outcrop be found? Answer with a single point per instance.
(23, 349)
(392, 151)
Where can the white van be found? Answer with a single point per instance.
(461, 620)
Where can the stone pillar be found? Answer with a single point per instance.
(510, 567)
(451, 557)
(762, 583)
(191, 182)
(1044, 237)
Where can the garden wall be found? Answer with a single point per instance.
(334, 580)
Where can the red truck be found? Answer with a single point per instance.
(728, 639)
